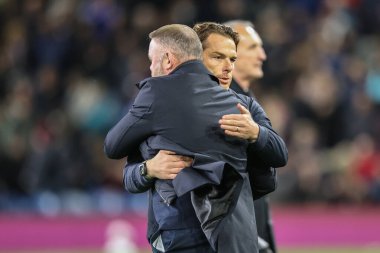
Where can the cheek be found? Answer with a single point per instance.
(216, 65)
(208, 65)
(215, 68)
(246, 62)
(154, 65)
(247, 57)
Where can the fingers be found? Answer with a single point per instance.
(173, 156)
(184, 158)
(237, 123)
(241, 132)
(171, 176)
(233, 133)
(240, 116)
(167, 176)
(173, 168)
(228, 122)
(242, 109)
(232, 117)
(171, 173)
(170, 156)
(231, 128)
(167, 152)
(179, 164)
(179, 161)
(232, 125)
(167, 164)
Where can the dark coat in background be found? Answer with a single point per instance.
(260, 166)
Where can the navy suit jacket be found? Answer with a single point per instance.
(184, 108)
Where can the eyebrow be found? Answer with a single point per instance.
(218, 53)
(253, 45)
(224, 55)
(256, 44)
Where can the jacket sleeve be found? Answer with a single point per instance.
(264, 155)
(132, 179)
(269, 150)
(133, 128)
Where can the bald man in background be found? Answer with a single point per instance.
(248, 68)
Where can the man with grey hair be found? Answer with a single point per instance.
(206, 206)
(175, 43)
(248, 68)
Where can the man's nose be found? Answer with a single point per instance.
(262, 54)
(228, 65)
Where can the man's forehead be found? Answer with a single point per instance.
(153, 47)
(222, 51)
(150, 47)
(253, 34)
(219, 41)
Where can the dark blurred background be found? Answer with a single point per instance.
(67, 74)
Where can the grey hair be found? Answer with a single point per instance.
(180, 39)
(236, 22)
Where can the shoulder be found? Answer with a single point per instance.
(250, 103)
(146, 82)
(152, 83)
(246, 100)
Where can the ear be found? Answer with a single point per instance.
(170, 62)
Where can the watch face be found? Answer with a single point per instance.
(142, 169)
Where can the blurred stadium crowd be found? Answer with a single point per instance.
(67, 74)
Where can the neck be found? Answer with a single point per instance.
(225, 86)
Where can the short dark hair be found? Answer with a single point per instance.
(181, 40)
(205, 29)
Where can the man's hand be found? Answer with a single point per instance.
(166, 164)
(240, 125)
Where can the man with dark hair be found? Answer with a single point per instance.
(205, 207)
(212, 37)
(219, 54)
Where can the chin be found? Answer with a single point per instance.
(224, 84)
(258, 74)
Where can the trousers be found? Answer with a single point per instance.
(182, 241)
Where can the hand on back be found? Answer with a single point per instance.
(167, 164)
(240, 125)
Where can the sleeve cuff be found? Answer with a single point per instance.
(261, 140)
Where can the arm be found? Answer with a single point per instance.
(133, 181)
(253, 125)
(262, 155)
(165, 165)
(270, 149)
(133, 128)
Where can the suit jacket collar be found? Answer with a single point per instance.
(192, 66)
(236, 87)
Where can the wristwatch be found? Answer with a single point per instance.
(144, 171)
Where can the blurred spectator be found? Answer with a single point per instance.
(68, 69)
